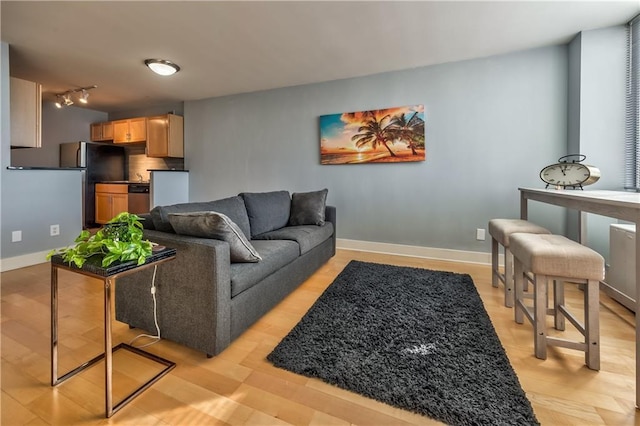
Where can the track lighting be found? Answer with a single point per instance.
(64, 99)
(84, 97)
(162, 66)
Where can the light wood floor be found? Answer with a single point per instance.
(240, 387)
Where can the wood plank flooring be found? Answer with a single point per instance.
(240, 387)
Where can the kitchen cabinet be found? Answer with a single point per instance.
(130, 130)
(165, 136)
(25, 98)
(101, 132)
(111, 199)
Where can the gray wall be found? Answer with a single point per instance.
(173, 108)
(602, 105)
(597, 85)
(33, 200)
(59, 125)
(491, 125)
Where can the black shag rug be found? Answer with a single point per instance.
(413, 338)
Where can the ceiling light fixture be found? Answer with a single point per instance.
(84, 97)
(67, 99)
(162, 66)
(64, 99)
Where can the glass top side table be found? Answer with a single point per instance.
(108, 276)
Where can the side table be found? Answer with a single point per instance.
(108, 276)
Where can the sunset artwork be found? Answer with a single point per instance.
(377, 136)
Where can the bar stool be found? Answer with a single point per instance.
(500, 230)
(554, 257)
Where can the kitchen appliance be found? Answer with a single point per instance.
(102, 162)
(138, 198)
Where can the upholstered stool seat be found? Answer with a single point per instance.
(500, 231)
(554, 257)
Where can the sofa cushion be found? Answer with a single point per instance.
(275, 254)
(232, 207)
(267, 210)
(217, 226)
(307, 208)
(147, 222)
(307, 236)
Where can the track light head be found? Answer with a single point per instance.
(67, 99)
(84, 97)
(64, 99)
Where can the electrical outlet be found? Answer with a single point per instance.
(16, 236)
(480, 234)
(54, 230)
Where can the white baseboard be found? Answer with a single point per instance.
(22, 261)
(416, 251)
(30, 259)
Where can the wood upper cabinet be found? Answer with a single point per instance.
(26, 113)
(102, 131)
(165, 136)
(111, 199)
(130, 130)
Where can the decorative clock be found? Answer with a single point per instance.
(570, 174)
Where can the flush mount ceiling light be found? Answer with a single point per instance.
(64, 99)
(162, 66)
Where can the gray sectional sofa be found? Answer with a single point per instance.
(204, 299)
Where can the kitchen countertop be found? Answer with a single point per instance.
(123, 182)
(43, 168)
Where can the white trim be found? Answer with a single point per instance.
(16, 262)
(416, 251)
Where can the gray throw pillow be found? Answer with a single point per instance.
(232, 207)
(267, 211)
(307, 208)
(218, 226)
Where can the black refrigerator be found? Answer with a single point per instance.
(101, 162)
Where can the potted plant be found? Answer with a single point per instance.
(119, 240)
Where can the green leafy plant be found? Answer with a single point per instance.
(119, 240)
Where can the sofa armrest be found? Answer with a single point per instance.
(330, 216)
(193, 293)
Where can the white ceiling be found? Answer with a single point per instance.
(235, 47)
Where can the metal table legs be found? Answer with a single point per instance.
(110, 409)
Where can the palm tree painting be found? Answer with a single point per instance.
(375, 136)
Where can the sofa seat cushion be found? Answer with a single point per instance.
(307, 236)
(275, 254)
(232, 207)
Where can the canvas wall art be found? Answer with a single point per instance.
(376, 136)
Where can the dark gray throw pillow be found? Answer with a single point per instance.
(267, 211)
(307, 208)
(232, 207)
(218, 226)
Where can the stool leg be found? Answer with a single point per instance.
(494, 262)
(592, 324)
(558, 300)
(508, 277)
(540, 315)
(518, 314)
